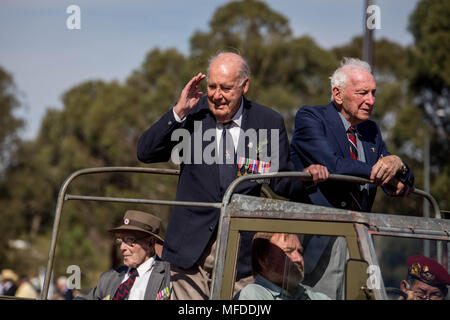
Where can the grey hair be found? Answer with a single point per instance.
(244, 70)
(339, 77)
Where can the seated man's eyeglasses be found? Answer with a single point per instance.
(129, 241)
(432, 296)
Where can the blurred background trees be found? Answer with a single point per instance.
(100, 123)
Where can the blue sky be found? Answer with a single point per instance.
(46, 58)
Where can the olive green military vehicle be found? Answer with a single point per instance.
(352, 242)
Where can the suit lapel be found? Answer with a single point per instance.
(117, 280)
(246, 123)
(210, 124)
(370, 149)
(370, 152)
(154, 282)
(337, 128)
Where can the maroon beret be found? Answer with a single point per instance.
(428, 271)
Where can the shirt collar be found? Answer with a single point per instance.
(345, 122)
(237, 118)
(146, 266)
(275, 290)
(278, 292)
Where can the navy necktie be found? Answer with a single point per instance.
(123, 291)
(228, 169)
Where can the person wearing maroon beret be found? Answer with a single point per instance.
(426, 279)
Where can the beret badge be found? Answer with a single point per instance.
(421, 272)
(426, 274)
(414, 269)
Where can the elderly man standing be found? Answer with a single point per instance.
(247, 138)
(143, 276)
(341, 137)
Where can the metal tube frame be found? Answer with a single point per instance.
(62, 196)
(224, 221)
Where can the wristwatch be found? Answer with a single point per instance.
(404, 170)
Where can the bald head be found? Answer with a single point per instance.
(231, 59)
(228, 81)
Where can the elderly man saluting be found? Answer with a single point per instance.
(228, 136)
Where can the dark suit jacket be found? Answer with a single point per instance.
(110, 280)
(320, 137)
(189, 228)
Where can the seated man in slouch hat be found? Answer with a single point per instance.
(143, 276)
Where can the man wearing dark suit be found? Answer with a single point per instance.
(321, 135)
(255, 142)
(341, 137)
(143, 276)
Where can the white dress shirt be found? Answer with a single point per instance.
(140, 284)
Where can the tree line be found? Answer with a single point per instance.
(100, 123)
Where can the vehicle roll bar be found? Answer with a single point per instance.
(220, 247)
(62, 196)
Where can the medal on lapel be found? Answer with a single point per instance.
(164, 294)
(252, 166)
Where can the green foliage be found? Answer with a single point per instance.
(9, 124)
(430, 73)
(100, 123)
(430, 26)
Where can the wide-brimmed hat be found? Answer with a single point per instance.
(140, 221)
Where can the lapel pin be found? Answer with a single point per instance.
(373, 149)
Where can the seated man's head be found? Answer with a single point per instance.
(278, 258)
(137, 237)
(426, 279)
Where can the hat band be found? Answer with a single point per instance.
(141, 225)
(442, 287)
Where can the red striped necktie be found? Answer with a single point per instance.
(123, 291)
(356, 194)
(351, 133)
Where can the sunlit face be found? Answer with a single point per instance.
(357, 99)
(225, 89)
(137, 253)
(284, 265)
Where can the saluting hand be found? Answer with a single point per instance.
(189, 96)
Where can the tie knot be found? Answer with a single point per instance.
(227, 125)
(133, 273)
